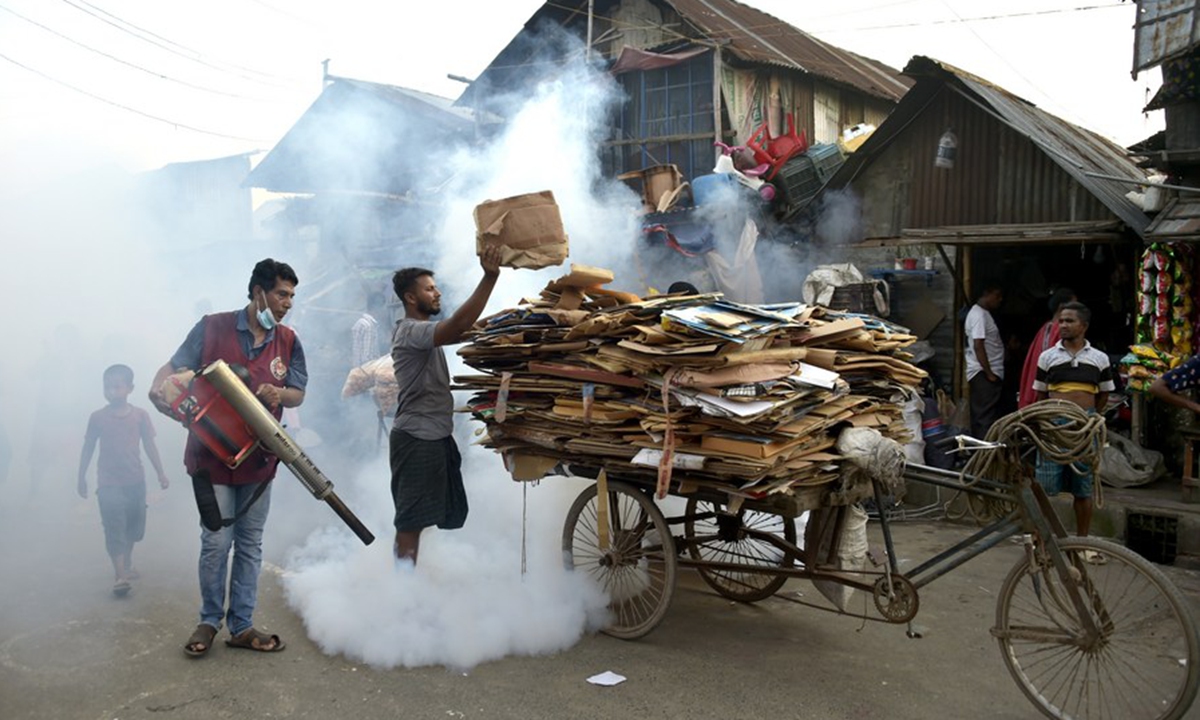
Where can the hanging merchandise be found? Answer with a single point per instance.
(1166, 321)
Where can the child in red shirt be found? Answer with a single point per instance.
(120, 479)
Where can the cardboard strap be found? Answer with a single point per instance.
(667, 462)
(502, 397)
(602, 510)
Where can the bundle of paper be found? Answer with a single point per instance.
(684, 393)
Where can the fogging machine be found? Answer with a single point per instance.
(220, 410)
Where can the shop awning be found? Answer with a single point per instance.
(635, 59)
(1180, 220)
(1012, 234)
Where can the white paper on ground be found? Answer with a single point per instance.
(607, 678)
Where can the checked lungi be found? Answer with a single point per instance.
(427, 484)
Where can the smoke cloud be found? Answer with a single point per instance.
(104, 267)
(468, 600)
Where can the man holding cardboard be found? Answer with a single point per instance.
(427, 484)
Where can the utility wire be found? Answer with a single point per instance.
(782, 26)
(873, 8)
(153, 34)
(135, 66)
(125, 107)
(1001, 57)
(165, 44)
(978, 18)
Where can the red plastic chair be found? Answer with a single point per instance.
(777, 151)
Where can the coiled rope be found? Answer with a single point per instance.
(1060, 430)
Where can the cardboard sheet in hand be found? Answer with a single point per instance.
(528, 227)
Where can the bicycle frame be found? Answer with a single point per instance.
(1032, 514)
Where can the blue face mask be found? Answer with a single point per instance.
(266, 318)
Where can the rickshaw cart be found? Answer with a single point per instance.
(1087, 628)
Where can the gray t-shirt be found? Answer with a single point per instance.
(426, 404)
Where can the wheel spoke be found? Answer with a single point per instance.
(706, 527)
(634, 570)
(1131, 669)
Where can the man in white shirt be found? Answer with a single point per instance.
(364, 334)
(985, 360)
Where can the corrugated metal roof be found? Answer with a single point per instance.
(1164, 29)
(1180, 220)
(364, 137)
(1080, 153)
(404, 96)
(743, 32)
(756, 36)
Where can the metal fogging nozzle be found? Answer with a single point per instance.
(272, 435)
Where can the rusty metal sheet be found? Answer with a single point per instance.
(1164, 29)
(1180, 220)
(1016, 162)
(756, 36)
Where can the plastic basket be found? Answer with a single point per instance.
(858, 298)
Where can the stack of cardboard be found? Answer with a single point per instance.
(683, 393)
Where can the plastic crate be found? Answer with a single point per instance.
(826, 158)
(797, 182)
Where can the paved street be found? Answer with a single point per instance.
(70, 651)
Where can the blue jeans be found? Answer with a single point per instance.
(245, 537)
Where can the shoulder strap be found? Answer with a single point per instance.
(206, 502)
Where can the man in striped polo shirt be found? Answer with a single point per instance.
(1073, 370)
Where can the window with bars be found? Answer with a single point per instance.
(667, 118)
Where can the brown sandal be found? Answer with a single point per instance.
(252, 639)
(201, 640)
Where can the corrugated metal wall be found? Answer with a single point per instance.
(823, 111)
(999, 176)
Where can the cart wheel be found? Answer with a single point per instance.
(719, 537)
(1145, 663)
(638, 568)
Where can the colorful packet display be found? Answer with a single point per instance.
(1167, 322)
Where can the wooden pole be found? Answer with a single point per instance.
(718, 134)
(960, 361)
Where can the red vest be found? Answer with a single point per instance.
(269, 367)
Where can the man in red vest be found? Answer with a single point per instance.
(272, 355)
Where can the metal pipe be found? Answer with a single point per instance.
(1147, 183)
(275, 439)
(591, 14)
(1000, 529)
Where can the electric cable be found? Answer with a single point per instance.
(135, 66)
(978, 18)
(125, 27)
(125, 107)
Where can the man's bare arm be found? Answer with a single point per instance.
(452, 329)
(1160, 390)
(981, 356)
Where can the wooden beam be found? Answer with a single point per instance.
(969, 241)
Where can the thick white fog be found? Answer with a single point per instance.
(468, 601)
(97, 270)
(95, 274)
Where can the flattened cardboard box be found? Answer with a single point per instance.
(529, 228)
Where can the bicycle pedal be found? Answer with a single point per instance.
(876, 556)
